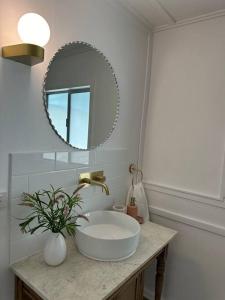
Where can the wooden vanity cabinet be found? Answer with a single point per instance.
(132, 289)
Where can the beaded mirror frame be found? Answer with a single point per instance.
(73, 44)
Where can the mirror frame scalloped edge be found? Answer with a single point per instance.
(117, 88)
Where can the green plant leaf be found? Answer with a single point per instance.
(56, 214)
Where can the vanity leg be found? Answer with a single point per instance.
(160, 269)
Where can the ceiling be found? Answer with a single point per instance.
(166, 12)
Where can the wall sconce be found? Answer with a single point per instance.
(34, 31)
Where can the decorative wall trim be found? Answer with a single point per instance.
(185, 194)
(216, 14)
(197, 223)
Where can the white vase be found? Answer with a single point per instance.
(55, 249)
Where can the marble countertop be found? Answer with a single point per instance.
(85, 279)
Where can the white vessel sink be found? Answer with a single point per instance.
(108, 236)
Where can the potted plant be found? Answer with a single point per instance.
(52, 210)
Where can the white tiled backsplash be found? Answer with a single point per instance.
(30, 172)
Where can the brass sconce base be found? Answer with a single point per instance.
(27, 54)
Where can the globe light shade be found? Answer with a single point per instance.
(33, 29)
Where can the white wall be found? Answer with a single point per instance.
(184, 155)
(23, 123)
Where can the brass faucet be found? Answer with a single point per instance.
(94, 178)
(95, 182)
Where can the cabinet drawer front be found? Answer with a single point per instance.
(131, 290)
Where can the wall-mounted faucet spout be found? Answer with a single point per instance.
(95, 178)
(98, 183)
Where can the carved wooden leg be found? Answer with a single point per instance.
(160, 269)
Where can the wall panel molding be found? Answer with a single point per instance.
(185, 194)
(183, 218)
(197, 223)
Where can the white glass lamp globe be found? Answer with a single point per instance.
(33, 29)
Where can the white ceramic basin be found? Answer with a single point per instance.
(108, 236)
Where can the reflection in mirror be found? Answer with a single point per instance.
(72, 105)
(81, 95)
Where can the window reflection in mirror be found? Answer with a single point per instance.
(69, 111)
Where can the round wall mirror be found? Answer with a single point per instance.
(81, 95)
